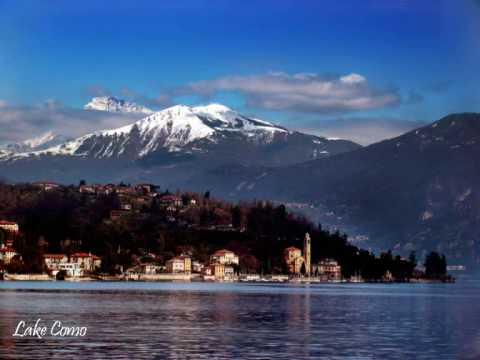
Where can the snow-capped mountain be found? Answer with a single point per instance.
(41, 142)
(191, 130)
(112, 104)
(171, 147)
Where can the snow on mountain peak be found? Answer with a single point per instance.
(40, 140)
(112, 104)
(170, 129)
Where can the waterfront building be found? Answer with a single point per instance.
(9, 226)
(52, 261)
(388, 276)
(225, 257)
(149, 268)
(179, 264)
(7, 254)
(88, 262)
(197, 267)
(71, 269)
(328, 269)
(220, 271)
(294, 259)
(229, 272)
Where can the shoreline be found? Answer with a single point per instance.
(275, 279)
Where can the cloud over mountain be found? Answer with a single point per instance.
(302, 92)
(363, 131)
(18, 123)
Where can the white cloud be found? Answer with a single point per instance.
(352, 79)
(363, 131)
(18, 123)
(303, 92)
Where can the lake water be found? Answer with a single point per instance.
(141, 320)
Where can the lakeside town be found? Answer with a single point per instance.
(223, 266)
(163, 236)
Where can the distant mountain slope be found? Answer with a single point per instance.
(418, 191)
(41, 142)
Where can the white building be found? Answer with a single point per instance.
(71, 269)
(149, 268)
(87, 262)
(52, 261)
(179, 264)
(225, 257)
(9, 226)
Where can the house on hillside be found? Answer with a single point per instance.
(87, 189)
(170, 200)
(45, 185)
(118, 214)
(145, 188)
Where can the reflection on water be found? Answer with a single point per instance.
(243, 321)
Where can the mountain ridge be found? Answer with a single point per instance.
(416, 191)
(174, 129)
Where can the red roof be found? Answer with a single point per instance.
(222, 252)
(81, 254)
(54, 256)
(292, 248)
(6, 222)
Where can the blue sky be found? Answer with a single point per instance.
(416, 60)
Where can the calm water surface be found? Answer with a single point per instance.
(140, 320)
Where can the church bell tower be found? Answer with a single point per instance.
(307, 254)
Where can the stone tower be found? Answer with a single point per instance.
(307, 254)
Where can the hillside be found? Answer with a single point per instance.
(417, 191)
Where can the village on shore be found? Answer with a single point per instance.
(222, 264)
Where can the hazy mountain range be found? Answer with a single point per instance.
(417, 191)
